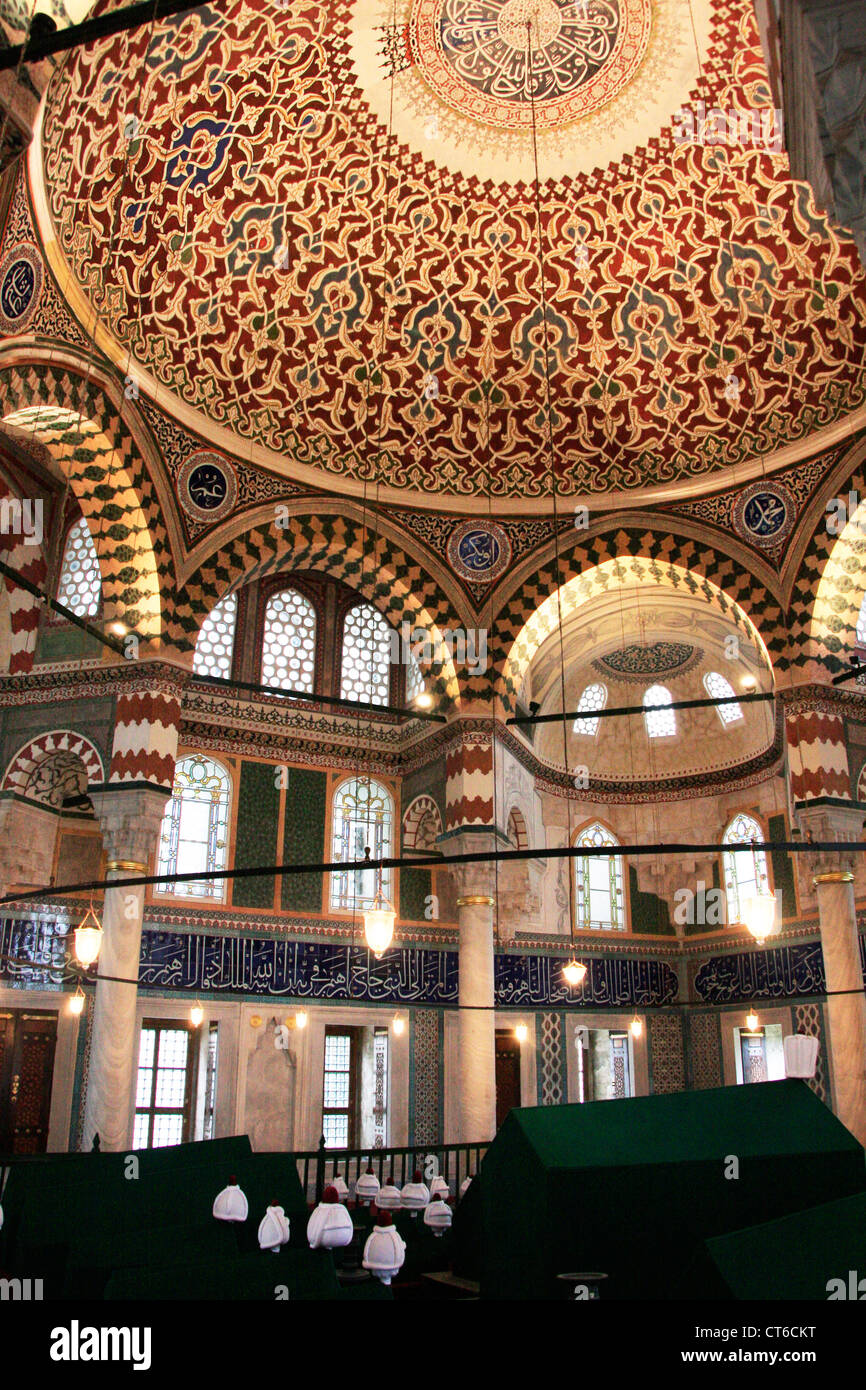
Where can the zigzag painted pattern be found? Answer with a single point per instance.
(145, 739)
(819, 759)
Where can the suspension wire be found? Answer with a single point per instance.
(417, 861)
(551, 446)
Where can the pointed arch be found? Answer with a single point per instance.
(377, 568)
(89, 440)
(629, 559)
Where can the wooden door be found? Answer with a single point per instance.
(507, 1074)
(27, 1043)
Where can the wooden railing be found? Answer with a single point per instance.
(453, 1162)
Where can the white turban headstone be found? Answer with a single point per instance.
(273, 1229)
(231, 1204)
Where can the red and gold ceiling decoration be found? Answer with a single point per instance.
(219, 195)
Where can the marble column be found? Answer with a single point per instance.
(476, 1018)
(130, 818)
(846, 1003)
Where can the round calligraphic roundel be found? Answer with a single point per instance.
(207, 486)
(512, 63)
(20, 285)
(479, 550)
(765, 513)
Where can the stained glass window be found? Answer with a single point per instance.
(363, 815)
(163, 1091)
(194, 834)
(289, 644)
(594, 697)
(660, 723)
(599, 901)
(216, 640)
(367, 643)
(720, 689)
(80, 584)
(745, 873)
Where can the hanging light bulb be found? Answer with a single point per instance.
(379, 922)
(759, 915)
(76, 1003)
(636, 1026)
(753, 1023)
(398, 1023)
(88, 938)
(521, 1032)
(301, 1018)
(196, 1014)
(574, 973)
(423, 700)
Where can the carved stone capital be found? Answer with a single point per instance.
(130, 818)
(826, 821)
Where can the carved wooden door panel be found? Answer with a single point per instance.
(27, 1043)
(507, 1074)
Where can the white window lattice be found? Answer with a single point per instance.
(80, 585)
(718, 688)
(593, 698)
(861, 623)
(599, 901)
(414, 679)
(216, 640)
(745, 874)
(660, 723)
(289, 643)
(194, 832)
(366, 670)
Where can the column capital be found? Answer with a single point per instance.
(826, 819)
(476, 883)
(130, 817)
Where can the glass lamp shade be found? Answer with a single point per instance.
(379, 925)
(521, 1032)
(753, 1023)
(301, 1018)
(399, 1025)
(196, 1014)
(759, 915)
(76, 1002)
(636, 1026)
(574, 973)
(88, 938)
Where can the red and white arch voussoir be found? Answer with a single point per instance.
(43, 746)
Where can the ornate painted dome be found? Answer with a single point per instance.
(311, 231)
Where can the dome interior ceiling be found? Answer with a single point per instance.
(361, 312)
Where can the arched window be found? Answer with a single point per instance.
(745, 873)
(594, 697)
(216, 640)
(194, 834)
(80, 584)
(289, 642)
(363, 815)
(720, 689)
(861, 622)
(367, 642)
(599, 902)
(660, 723)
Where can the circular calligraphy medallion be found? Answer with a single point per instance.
(207, 486)
(765, 513)
(505, 62)
(479, 550)
(20, 285)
